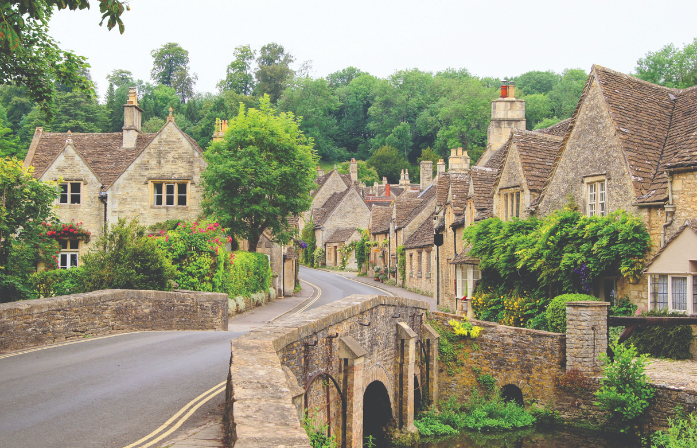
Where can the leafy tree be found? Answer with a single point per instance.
(25, 203)
(537, 108)
(366, 173)
(565, 95)
(153, 125)
(78, 112)
(9, 143)
(537, 82)
(170, 68)
(17, 103)
(30, 57)
(670, 66)
(429, 154)
(547, 122)
(388, 162)
(344, 77)
(353, 119)
(273, 70)
(239, 77)
(120, 78)
(259, 174)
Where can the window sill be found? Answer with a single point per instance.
(179, 207)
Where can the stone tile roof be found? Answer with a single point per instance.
(380, 218)
(102, 152)
(422, 236)
(459, 186)
(483, 179)
(689, 224)
(321, 215)
(560, 129)
(321, 180)
(442, 189)
(426, 198)
(464, 257)
(681, 145)
(537, 155)
(341, 235)
(403, 209)
(459, 221)
(496, 160)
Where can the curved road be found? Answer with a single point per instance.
(112, 391)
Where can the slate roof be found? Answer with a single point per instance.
(689, 224)
(102, 152)
(442, 189)
(320, 215)
(321, 180)
(464, 257)
(459, 186)
(341, 235)
(380, 218)
(422, 236)
(483, 182)
(537, 153)
(560, 129)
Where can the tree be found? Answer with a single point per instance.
(537, 82)
(366, 174)
(344, 77)
(239, 76)
(537, 108)
(565, 95)
(429, 154)
(388, 163)
(670, 66)
(170, 67)
(355, 99)
(273, 70)
(9, 143)
(261, 173)
(30, 57)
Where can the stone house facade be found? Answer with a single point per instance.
(420, 257)
(337, 241)
(342, 210)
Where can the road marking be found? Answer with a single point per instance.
(22, 352)
(308, 304)
(196, 403)
(356, 281)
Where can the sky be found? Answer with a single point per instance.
(497, 39)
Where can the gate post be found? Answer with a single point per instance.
(586, 336)
(406, 353)
(352, 355)
(431, 338)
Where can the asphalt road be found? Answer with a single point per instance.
(110, 392)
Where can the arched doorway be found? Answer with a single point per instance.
(377, 412)
(417, 396)
(511, 392)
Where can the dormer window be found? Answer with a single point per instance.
(510, 204)
(70, 193)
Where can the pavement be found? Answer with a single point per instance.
(211, 434)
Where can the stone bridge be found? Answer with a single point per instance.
(357, 365)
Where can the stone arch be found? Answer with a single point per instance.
(515, 379)
(511, 392)
(378, 373)
(377, 412)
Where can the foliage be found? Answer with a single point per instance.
(426, 155)
(536, 83)
(239, 77)
(447, 348)
(572, 381)
(317, 432)
(126, 258)
(623, 307)
(362, 249)
(564, 95)
(198, 253)
(670, 66)
(430, 424)
(520, 310)
(464, 328)
(681, 433)
(402, 263)
(345, 252)
(513, 308)
(25, 204)
(387, 162)
(624, 391)
(308, 235)
(366, 173)
(58, 282)
(540, 255)
(663, 342)
(71, 230)
(259, 174)
(249, 273)
(170, 67)
(30, 57)
(556, 311)
(273, 71)
(320, 257)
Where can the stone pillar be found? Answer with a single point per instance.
(426, 174)
(430, 341)
(586, 336)
(406, 357)
(352, 355)
(440, 167)
(353, 170)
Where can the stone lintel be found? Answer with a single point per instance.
(350, 348)
(430, 333)
(404, 331)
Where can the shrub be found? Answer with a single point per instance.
(249, 273)
(681, 433)
(430, 424)
(663, 342)
(320, 259)
(556, 311)
(125, 258)
(623, 307)
(58, 282)
(465, 329)
(624, 391)
(573, 382)
(317, 432)
(402, 263)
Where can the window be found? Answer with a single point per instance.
(659, 292)
(419, 255)
(679, 293)
(671, 292)
(597, 198)
(70, 193)
(428, 261)
(694, 293)
(460, 281)
(511, 205)
(69, 253)
(169, 194)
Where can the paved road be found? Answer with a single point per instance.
(110, 392)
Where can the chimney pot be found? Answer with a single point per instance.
(511, 89)
(387, 190)
(504, 88)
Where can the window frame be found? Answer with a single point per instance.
(670, 294)
(164, 193)
(70, 194)
(595, 195)
(69, 254)
(511, 203)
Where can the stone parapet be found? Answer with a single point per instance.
(586, 336)
(54, 319)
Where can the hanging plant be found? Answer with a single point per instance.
(60, 231)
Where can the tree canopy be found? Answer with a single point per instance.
(170, 67)
(670, 66)
(260, 174)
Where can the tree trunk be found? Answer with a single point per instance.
(252, 242)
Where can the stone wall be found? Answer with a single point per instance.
(45, 321)
(356, 340)
(528, 359)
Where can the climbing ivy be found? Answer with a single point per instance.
(401, 263)
(308, 235)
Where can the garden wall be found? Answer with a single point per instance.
(44, 321)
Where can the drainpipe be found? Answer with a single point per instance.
(103, 197)
(669, 209)
(283, 271)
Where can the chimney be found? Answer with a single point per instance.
(353, 170)
(384, 180)
(459, 161)
(511, 89)
(387, 190)
(440, 167)
(220, 128)
(426, 175)
(504, 88)
(404, 181)
(132, 115)
(320, 171)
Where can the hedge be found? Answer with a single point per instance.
(556, 311)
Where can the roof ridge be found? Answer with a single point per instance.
(538, 134)
(634, 78)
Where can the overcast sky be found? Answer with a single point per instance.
(503, 38)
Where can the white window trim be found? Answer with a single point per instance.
(165, 182)
(690, 292)
(67, 253)
(597, 205)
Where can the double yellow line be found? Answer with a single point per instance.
(22, 352)
(170, 426)
(310, 302)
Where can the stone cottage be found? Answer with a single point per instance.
(340, 239)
